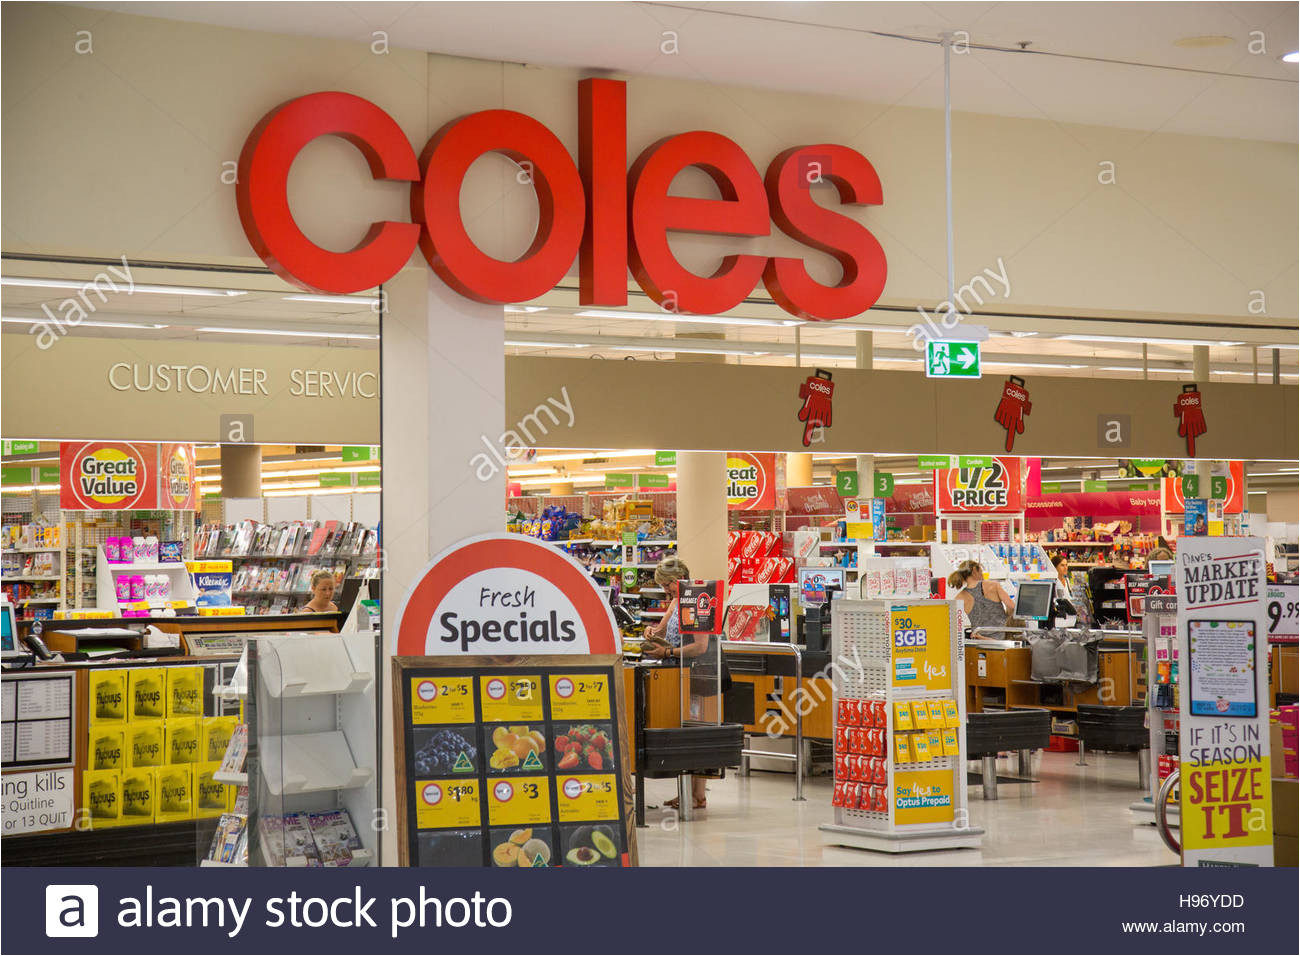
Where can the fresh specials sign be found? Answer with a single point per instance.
(1226, 791)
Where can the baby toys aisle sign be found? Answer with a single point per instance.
(504, 594)
(1226, 787)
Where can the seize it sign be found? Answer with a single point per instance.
(611, 218)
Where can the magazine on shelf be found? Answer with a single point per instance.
(335, 837)
(236, 751)
(299, 847)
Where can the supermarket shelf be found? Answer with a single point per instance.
(32, 577)
(31, 550)
(664, 543)
(160, 566)
(903, 544)
(218, 862)
(52, 600)
(306, 763)
(1077, 544)
(234, 779)
(832, 545)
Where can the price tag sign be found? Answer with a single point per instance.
(519, 800)
(1282, 613)
(442, 804)
(442, 700)
(512, 698)
(591, 796)
(579, 697)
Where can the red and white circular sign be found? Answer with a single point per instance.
(564, 688)
(504, 594)
(426, 690)
(496, 688)
(431, 794)
(573, 788)
(503, 790)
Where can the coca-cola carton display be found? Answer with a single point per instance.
(749, 558)
(746, 622)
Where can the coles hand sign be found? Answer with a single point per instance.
(1013, 408)
(1191, 419)
(816, 392)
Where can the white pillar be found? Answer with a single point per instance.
(866, 464)
(702, 513)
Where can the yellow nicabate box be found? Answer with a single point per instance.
(215, 737)
(903, 716)
(145, 744)
(950, 716)
(101, 797)
(951, 748)
(107, 749)
(902, 749)
(184, 692)
(175, 793)
(935, 708)
(921, 747)
(139, 795)
(148, 692)
(182, 741)
(210, 796)
(108, 697)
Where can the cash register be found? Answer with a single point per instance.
(1038, 605)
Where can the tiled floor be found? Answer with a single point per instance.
(1074, 816)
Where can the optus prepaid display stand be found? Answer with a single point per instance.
(900, 728)
(511, 766)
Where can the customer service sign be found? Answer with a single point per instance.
(1226, 790)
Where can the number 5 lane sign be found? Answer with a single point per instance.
(948, 359)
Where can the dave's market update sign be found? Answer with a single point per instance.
(1226, 787)
(124, 476)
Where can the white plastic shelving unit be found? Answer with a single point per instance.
(861, 633)
(106, 576)
(313, 707)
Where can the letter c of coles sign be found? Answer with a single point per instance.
(494, 551)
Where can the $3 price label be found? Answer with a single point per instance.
(519, 800)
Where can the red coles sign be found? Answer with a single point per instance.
(609, 217)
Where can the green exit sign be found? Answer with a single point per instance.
(952, 359)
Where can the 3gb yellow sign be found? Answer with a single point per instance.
(921, 646)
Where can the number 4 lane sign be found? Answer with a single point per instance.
(952, 359)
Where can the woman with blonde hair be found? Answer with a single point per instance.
(669, 574)
(986, 603)
(322, 592)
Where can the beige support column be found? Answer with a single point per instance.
(241, 471)
(866, 464)
(702, 513)
(1201, 376)
(798, 469)
(562, 488)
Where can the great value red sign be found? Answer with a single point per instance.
(107, 476)
(995, 488)
(751, 481)
(611, 218)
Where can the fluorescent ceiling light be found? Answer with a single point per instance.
(857, 327)
(366, 300)
(524, 309)
(679, 317)
(94, 323)
(138, 287)
(562, 479)
(673, 345)
(11, 489)
(538, 343)
(1140, 339)
(580, 454)
(1013, 335)
(526, 472)
(1019, 364)
(1138, 368)
(314, 492)
(289, 332)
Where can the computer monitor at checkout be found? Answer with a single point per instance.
(1034, 600)
(8, 626)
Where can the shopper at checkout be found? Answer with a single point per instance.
(664, 642)
(986, 603)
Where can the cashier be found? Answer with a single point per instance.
(322, 593)
(1061, 563)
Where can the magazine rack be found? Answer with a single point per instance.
(306, 790)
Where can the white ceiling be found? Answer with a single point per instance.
(1107, 64)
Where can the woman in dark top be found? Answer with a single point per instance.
(985, 602)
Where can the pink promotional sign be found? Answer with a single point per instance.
(1099, 504)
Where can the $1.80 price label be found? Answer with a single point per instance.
(591, 796)
(519, 800)
(440, 804)
(512, 698)
(579, 696)
(442, 700)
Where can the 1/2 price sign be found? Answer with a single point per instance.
(1282, 613)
